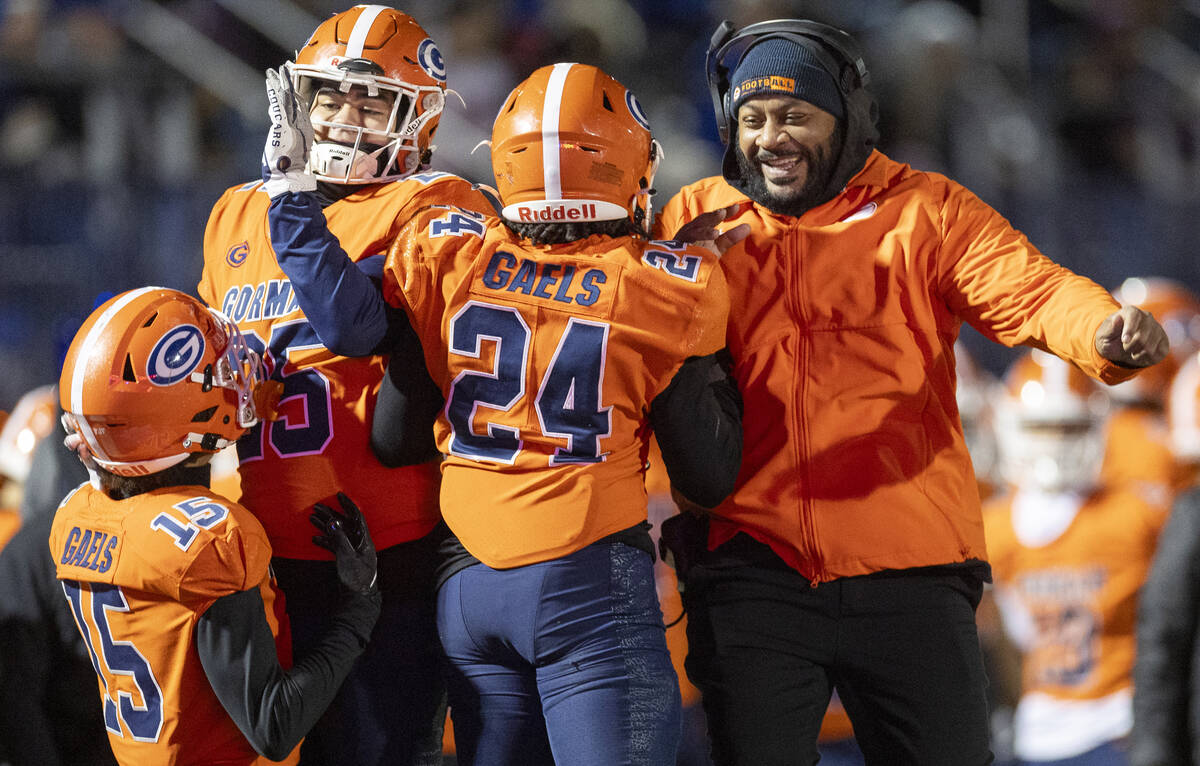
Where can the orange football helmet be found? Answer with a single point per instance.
(572, 144)
(153, 376)
(1177, 309)
(1183, 410)
(380, 49)
(32, 419)
(1050, 425)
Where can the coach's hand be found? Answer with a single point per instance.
(285, 155)
(702, 230)
(1132, 337)
(345, 535)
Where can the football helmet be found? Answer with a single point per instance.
(1050, 425)
(381, 50)
(572, 144)
(1183, 410)
(1177, 309)
(32, 419)
(153, 376)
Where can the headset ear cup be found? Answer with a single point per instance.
(846, 79)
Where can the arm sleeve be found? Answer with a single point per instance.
(274, 708)
(698, 422)
(1166, 637)
(342, 303)
(407, 406)
(992, 276)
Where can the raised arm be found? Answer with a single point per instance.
(342, 303)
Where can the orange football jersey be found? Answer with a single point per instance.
(1075, 597)
(549, 357)
(1138, 450)
(138, 574)
(290, 463)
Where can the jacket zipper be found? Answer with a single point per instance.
(808, 532)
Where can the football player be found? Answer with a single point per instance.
(1069, 552)
(169, 583)
(558, 336)
(376, 84)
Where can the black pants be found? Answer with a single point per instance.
(765, 649)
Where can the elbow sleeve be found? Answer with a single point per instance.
(698, 422)
(407, 406)
(274, 709)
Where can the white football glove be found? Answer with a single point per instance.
(285, 156)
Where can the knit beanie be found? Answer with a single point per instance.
(781, 66)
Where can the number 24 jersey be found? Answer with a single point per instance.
(549, 357)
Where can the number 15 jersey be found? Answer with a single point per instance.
(319, 443)
(549, 357)
(138, 574)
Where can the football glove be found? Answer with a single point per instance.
(345, 535)
(285, 156)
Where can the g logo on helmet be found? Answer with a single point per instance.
(635, 108)
(430, 59)
(175, 355)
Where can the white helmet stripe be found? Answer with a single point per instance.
(551, 170)
(86, 348)
(358, 35)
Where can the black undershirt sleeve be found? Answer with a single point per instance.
(697, 420)
(409, 401)
(272, 707)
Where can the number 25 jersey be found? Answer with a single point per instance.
(549, 357)
(318, 444)
(138, 574)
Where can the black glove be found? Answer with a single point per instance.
(346, 536)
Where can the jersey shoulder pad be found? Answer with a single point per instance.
(181, 542)
(681, 261)
(438, 188)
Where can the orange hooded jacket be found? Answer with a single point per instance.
(842, 333)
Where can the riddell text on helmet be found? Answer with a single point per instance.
(585, 212)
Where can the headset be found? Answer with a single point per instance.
(837, 51)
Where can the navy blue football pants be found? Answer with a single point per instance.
(392, 706)
(564, 661)
(765, 649)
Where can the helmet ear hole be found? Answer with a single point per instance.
(203, 416)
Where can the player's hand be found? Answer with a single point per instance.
(1132, 337)
(285, 156)
(702, 230)
(345, 535)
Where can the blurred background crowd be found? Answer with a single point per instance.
(122, 121)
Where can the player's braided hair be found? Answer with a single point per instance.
(560, 233)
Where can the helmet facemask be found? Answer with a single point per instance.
(375, 155)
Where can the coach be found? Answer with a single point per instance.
(851, 554)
